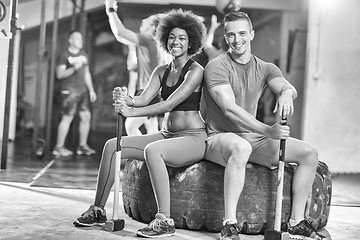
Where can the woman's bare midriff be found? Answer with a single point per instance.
(183, 120)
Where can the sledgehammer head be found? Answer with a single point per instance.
(275, 235)
(114, 225)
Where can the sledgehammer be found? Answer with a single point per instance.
(276, 234)
(116, 223)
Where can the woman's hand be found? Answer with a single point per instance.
(119, 94)
(122, 108)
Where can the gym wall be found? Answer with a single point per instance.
(331, 105)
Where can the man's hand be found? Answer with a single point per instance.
(77, 65)
(278, 131)
(110, 4)
(285, 104)
(214, 23)
(93, 96)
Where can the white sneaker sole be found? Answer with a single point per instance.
(85, 153)
(299, 237)
(62, 155)
(140, 234)
(77, 223)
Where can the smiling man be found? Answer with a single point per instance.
(234, 82)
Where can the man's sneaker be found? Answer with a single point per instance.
(62, 151)
(230, 232)
(85, 150)
(304, 229)
(91, 217)
(159, 227)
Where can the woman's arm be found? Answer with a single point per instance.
(150, 91)
(192, 82)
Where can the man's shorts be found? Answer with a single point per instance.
(73, 101)
(264, 149)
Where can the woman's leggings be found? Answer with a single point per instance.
(158, 150)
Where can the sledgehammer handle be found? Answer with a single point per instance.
(280, 182)
(119, 126)
(117, 167)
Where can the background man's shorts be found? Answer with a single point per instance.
(73, 101)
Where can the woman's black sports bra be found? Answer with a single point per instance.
(192, 103)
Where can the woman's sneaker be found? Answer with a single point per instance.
(230, 231)
(91, 217)
(159, 227)
(304, 229)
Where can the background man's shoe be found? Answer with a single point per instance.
(62, 151)
(85, 150)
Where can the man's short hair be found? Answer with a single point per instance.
(73, 31)
(234, 16)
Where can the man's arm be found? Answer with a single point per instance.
(89, 84)
(210, 35)
(225, 99)
(117, 27)
(286, 92)
(209, 48)
(63, 72)
(131, 63)
(132, 83)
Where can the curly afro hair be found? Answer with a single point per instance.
(185, 20)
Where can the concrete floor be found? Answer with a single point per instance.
(47, 213)
(39, 198)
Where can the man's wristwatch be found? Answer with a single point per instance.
(110, 10)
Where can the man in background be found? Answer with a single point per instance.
(148, 56)
(77, 91)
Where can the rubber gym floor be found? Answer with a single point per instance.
(40, 197)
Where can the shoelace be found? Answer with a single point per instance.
(91, 212)
(233, 229)
(308, 227)
(156, 225)
(236, 230)
(309, 231)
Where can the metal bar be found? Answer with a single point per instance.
(74, 15)
(39, 79)
(280, 182)
(83, 18)
(13, 29)
(52, 75)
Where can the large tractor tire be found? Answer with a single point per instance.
(197, 199)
